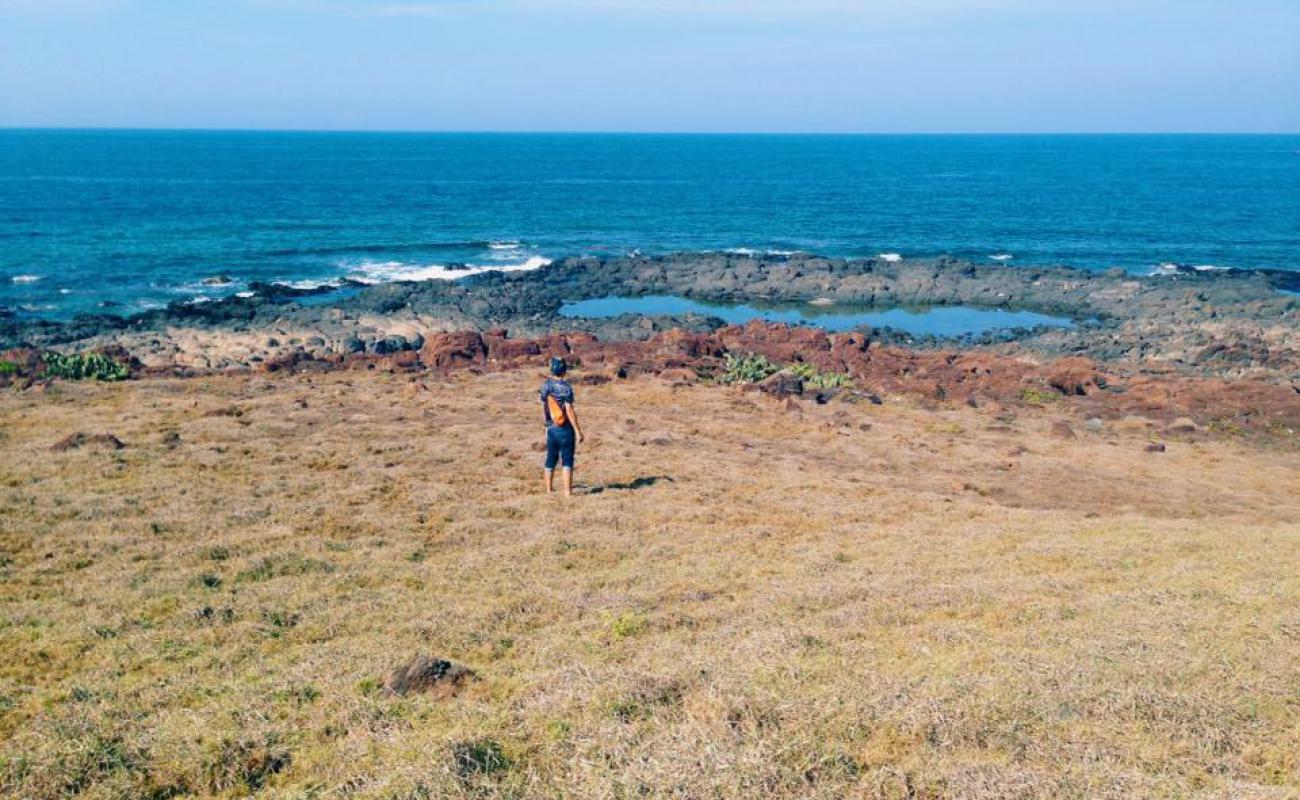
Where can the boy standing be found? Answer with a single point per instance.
(562, 428)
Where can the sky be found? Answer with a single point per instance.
(885, 66)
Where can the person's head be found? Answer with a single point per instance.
(558, 367)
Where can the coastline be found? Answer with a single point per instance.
(1207, 350)
(1216, 323)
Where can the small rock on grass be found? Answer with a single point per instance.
(1155, 447)
(79, 440)
(426, 674)
(1062, 430)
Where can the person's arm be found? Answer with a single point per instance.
(573, 418)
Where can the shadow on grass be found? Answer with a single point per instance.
(632, 485)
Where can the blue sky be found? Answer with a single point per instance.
(654, 65)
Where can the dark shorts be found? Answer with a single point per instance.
(559, 446)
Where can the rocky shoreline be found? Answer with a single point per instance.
(1226, 324)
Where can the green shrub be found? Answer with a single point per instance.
(746, 369)
(479, 757)
(815, 379)
(629, 623)
(1038, 397)
(78, 366)
(8, 368)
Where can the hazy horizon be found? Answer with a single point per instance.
(561, 132)
(653, 66)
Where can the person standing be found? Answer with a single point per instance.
(563, 430)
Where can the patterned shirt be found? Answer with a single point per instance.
(560, 390)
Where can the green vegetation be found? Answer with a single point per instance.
(749, 368)
(817, 379)
(629, 623)
(79, 366)
(8, 368)
(1038, 397)
(294, 564)
(479, 757)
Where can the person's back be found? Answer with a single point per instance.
(562, 428)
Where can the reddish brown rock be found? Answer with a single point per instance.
(1062, 430)
(448, 350)
(25, 360)
(1074, 377)
(78, 440)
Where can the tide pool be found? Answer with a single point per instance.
(944, 321)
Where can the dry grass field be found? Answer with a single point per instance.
(844, 601)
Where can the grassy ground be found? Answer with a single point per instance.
(845, 601)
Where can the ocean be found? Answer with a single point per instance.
(123, 221)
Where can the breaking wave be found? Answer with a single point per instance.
(389, 271)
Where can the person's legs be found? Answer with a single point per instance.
(566, 441)
(552, 456)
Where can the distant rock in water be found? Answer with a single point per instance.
(218, 280)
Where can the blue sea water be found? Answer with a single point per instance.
(127, 220)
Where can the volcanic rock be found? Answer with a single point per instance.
(425, 674)
(782, 384)
(78, 440)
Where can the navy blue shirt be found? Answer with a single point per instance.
(561, 391)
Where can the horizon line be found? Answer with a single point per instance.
(624, 132)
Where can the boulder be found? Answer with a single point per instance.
(1183, 425)
(446, 350)
(1074, 377)
(782, 384)
(426, 674)
(78, 440)
(1061, 430)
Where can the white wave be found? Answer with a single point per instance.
(1167, 268)
(1002, 257)
(25, 278)
(245, 294)
(388, 271)
(65, 291)
(198, 300)
(750, 251)
(503, 245)
(37, 306)
(1210, 268)
(309, 285)
(890, 258)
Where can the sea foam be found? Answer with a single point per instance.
(25, 279)
(389, 271)
(750, 251)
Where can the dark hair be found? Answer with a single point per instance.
(558, 367)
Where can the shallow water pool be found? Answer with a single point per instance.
(946, 321)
